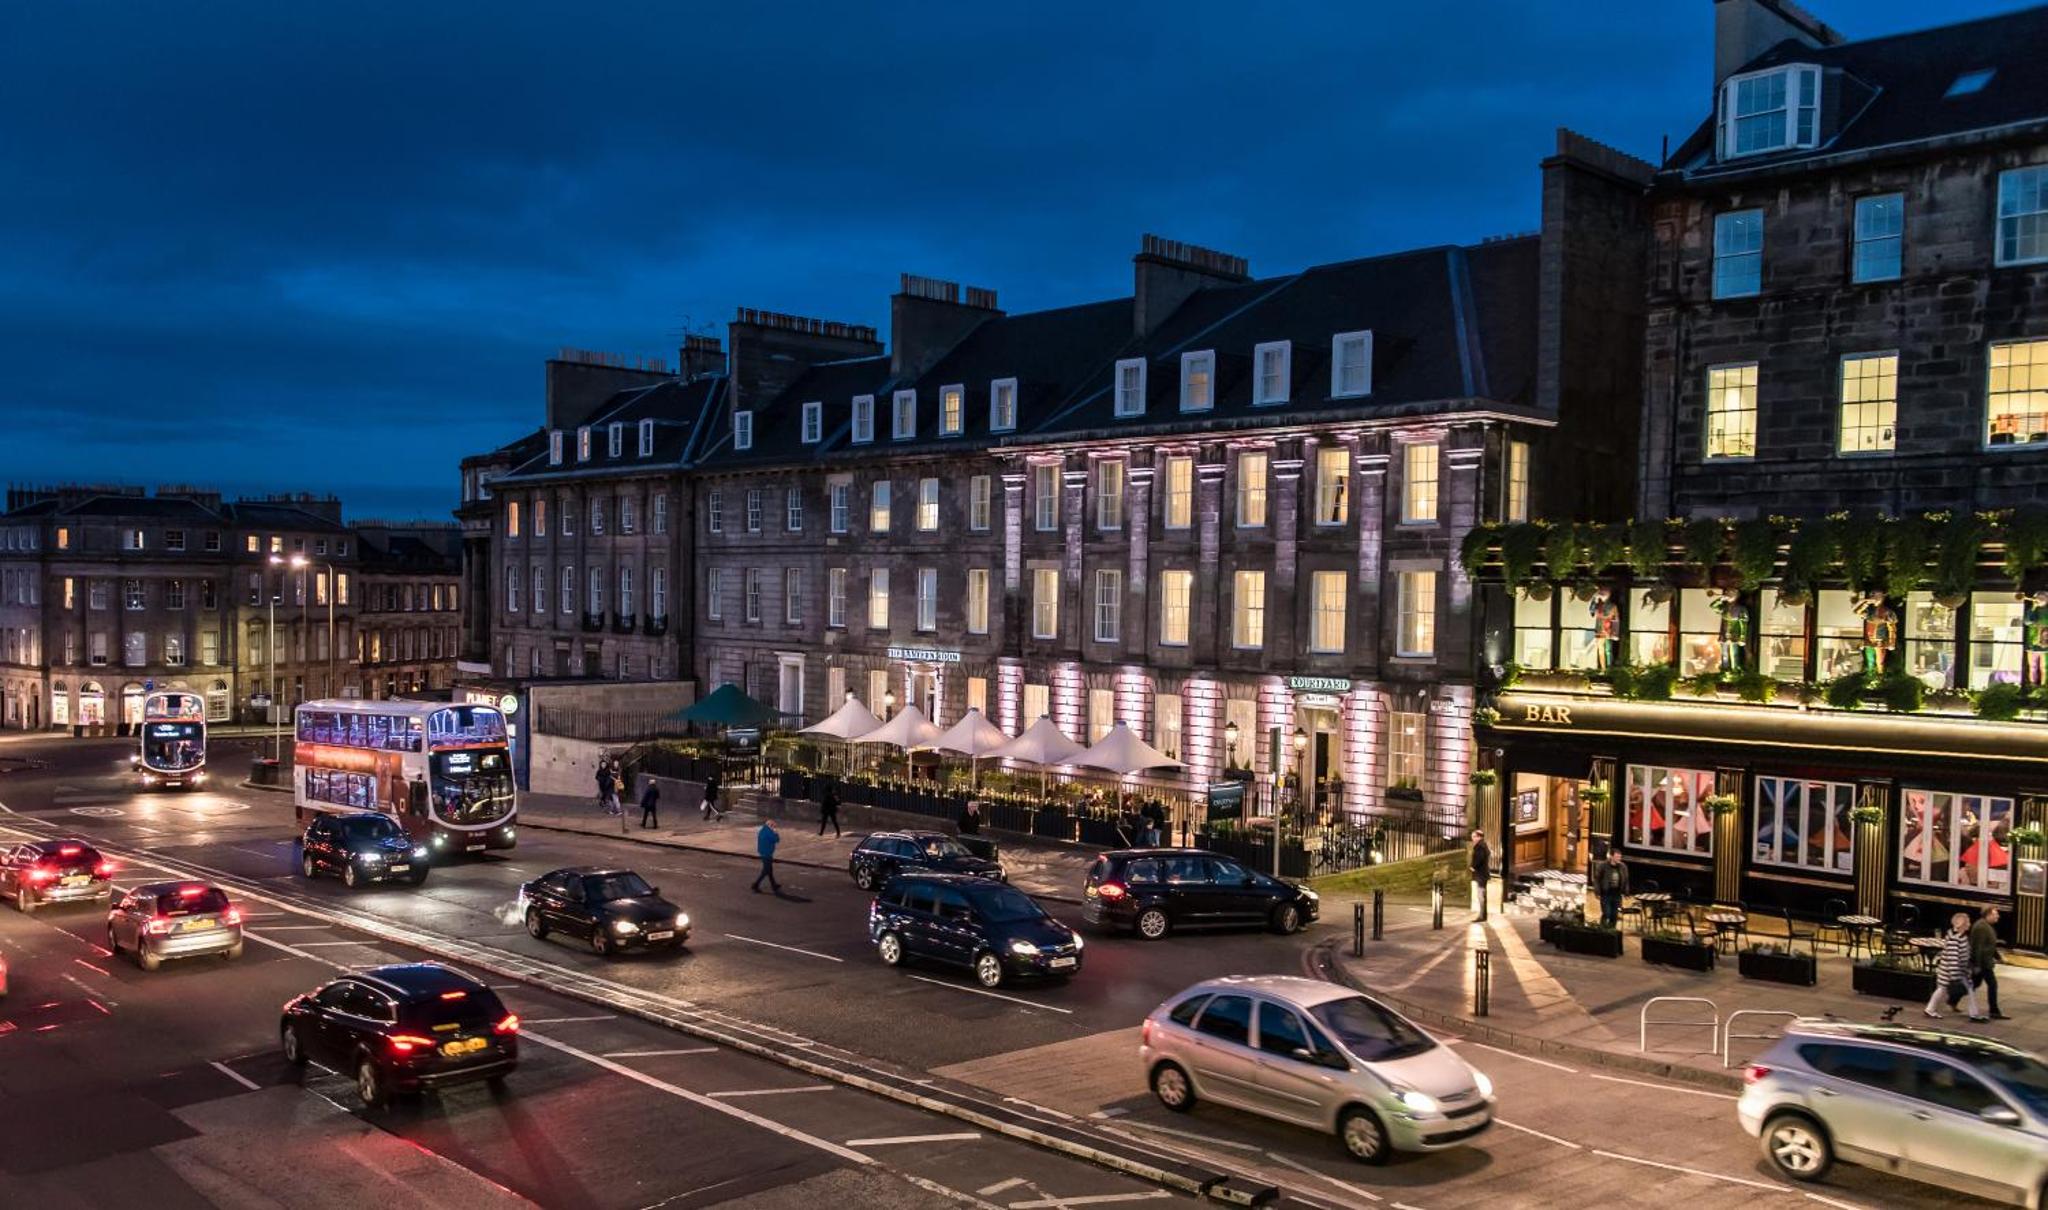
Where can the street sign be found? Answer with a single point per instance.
(149, 686)
(260, 701)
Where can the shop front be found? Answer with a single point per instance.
(1817, 812)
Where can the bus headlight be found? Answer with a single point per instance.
(419, 851)
(440, 838)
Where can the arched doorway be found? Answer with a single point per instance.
(60, 703)
(131, 704)
(217, 702)
(92, 705)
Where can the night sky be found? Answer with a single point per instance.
(280, 246)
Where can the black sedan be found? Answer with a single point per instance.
(885, 854)
(54, 871)
(995, 931)
(612, 910)
(361, 847)
(405, 1028)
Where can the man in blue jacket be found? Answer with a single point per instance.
(765, 841)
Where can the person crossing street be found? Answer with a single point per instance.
(765, 841)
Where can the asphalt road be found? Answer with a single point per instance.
(800, 963)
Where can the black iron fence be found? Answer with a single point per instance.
(607, 726)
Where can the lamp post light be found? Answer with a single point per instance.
(276, 722)
(1300, 792)
(333, 592)
(1230, 744)
(888, 704)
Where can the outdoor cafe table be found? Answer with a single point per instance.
(1655, 903)
(1929, 949)
(1860, 928)
(1727, 924)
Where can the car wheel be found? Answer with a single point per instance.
(1173, 1088)
(308, 866)
(535, 926)
(369, 1085)
(1364, 1139)
(113, 945)
(232, 953)
(146, 958)
(988, 970)
(1797, 1147)
(1287, 919)
(890, 947)
(864, 877)
(25, 901)
(418, 877)
(294, 1050)
(600, 942)
(1153, 924)
(350, 877)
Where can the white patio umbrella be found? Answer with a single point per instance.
(1121, 752)
(848, 723)
(973, 737)
(909, 730)
(1042, 744)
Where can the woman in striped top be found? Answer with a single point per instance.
(1952, 968)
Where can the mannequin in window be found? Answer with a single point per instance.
(1606, 627)
(1880, 633)
(1734, 630)
(2034, 629)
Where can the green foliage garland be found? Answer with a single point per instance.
(1477, 546)
(1604, 546)
(1955, 558)
(1903, 693)
(1701, 540)
(1755, 554)
(1908, 542)
(1520, 546)
(1649, 549)
(2026, 542)
(2000, 703)
(1859, 540)
(1561, 550)
(1845, 692)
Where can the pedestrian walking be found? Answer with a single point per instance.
(1984, 959)
(828, 811)
(1952, 969)
(711, 808)
(765, 841)
(970, 818)
(604, 782)
(649, 800)
(618, 788)
(1610, 879)
(1482, 867)
(1154, 816)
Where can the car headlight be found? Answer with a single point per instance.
(682, 920)
(440, 838)
(1485, 1085)
(1023, 949)
(1419, 1102)
(419, 851)
(369, 858)
(624, 926)
(1078, 944)
(1311, 896)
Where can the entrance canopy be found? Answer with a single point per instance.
(850, 721)
(727, 706)
(1122, 752)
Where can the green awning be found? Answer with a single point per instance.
(727, 706)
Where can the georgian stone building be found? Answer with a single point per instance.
(409, 622)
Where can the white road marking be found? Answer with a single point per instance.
(293, 950)
(237, 1077)
(1525, 1058)
(792, 949)
(653, 1054)
(1691, 1092)
(966, 1137)
(775, 1092)
(314, 945)
(263, 915)
(1346, 1186)
(1093, 1199)
(298, 928)
(1828, 1201)
(698, 1098)
(1538, 1133)
(1712, 1176)
(256, 852)
(1114, 1111)
(999, 1186)
(1187, 1134)
(568, 1020)
(1051, 1008)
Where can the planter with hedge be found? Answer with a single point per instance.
(1778, 964)
(1893, 976)
(1668, 948)
(1589, 939)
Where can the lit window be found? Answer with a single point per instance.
(2018, 398)
(1350, 364)
(646, 438)
(928, 505)
(1109, 495)
(583, 443)
(977, 600)
(1002, 405)
(878, 508)
(1770, 110)
(903, 425)
(1037, 702)
(1251, 490)
(1738, 254)
(1130, 387)
(1805, 824)
(814, 423)
(1045, 603)
(1166, 724)
(1327, 592)
(1333, 480)
(1176, 593)
(540, 520)
(1180, 492)
(511, 518)
(1998, 629)
(878, 599)
(835, 596)
(1880, 235)
(1731, 411)
(1045, 496)
(1418, 487)
(927, 598)
(1417, 614)
(952, 410)
(743, 430)
(1406, 732)
(1518, 481)
(979, 490)
(1101, 714)
(2023, 215)
(1109, 604)
(863, 419)
(1197, 381)
(1275, 371)
(1665, 809)
(1870, 400)
(1248, 610)
(1952, 840)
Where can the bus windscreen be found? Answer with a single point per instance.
(472, 786)
(174, 746)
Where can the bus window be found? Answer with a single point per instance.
(416, 799)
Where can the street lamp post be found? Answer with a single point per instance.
(333, 592)
(888, 704)
(276, 728)
(1230, 744)
(1300, 790)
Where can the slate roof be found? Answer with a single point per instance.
(257, 514)
(153, 507)
(1885, 92)
(434, 552)
(680, 411)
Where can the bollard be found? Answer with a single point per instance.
(1482, 982)
(1379, 914)
(1436, 903)
(1358, 930)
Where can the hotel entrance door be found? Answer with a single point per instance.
(1549, 823)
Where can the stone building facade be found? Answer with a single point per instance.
(409, 623)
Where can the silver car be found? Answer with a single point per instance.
(162, 920)
(1317, 1055)
(1956, 1110)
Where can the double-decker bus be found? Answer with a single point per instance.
(442, 771)
(171, 750)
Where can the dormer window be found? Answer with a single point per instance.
(743, 430)
(583, 444)
(1274, 360)
(647, 438)
(814, 423)
(903, 426)
(1130, 387)
(1197, 381)
(1350, 364)
(1002, 405)
(555, 448)
(863, 419)
(614, 439)
(952, 409)
(1770, 111)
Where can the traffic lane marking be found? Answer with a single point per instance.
(1692, 1092)
(961, 1137)
(1051, 1008)
(791, 948)
(236, 1076)
(999, 1187)
(1538, 1133)
(775, 1092)
(569, 1020)
(1701, 1172)
(655, 1054)
(1524, 1058)
(1097, 1199)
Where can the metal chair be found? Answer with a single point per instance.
(1795, 934)
(1831, 914)
(1898, 939)
(1656, 912)
(1630, 909)
(1736, 934)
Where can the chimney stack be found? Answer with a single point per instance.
(1168, 271)
(700, 355)
(771, 350)
(1744, 29)
(578, 380)
(927, 318)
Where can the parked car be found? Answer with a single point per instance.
(362, 847)
(885, 854)
(3, 976)
(613, 910)
(996, 931)
(162, 920)
(1956, 1110)
(1318, 1055)
(1155, 891)
(54, 871)
(406, 1028)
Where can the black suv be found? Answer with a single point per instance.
(403, 1029)
(361, 846)
(611, 909)
(1154, 891)
(54, 871)
(886, 854)
(994, 930)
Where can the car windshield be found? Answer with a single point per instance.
(1003, 905)
(941, 847)
(2022, 1075)
(603, 888)
(1373, 1033)
(367, 828)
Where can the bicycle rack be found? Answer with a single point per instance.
(1644, 1022)
(1729, 1036)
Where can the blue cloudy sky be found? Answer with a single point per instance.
(272, 246)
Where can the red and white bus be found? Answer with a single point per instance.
(443, 771)
(172, 747)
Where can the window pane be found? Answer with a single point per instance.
(1731, 412)
(2022, 215)
(1738, 254)
(1870, 397)
(2017, 410)
(1880, 224)
(1930, 641)
(1997, 628)
(1664, 810)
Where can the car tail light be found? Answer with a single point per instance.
(1754, 1072)
(191, 892)
(41, 873)
(69, 850)
(104, 869)
(231, 916)
(1111, 890)
(405, 1044)
(510, 1025)
(158, 927)
(1145, 1034)
(455, 995)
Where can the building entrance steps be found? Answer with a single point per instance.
(1589, 1009)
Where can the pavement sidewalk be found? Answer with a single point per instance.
(1592, 1009)
(1042, 871)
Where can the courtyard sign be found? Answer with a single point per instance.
(1319, 684)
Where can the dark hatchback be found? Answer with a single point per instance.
(996, 931)
(361, 847)
(1155, 891)
(55, 871)
(397, 1029)
(612, 910)
(884, 855)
